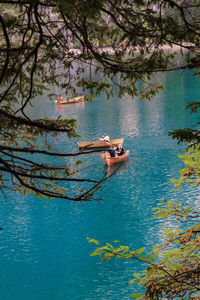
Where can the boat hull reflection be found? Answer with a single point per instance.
(120, 167)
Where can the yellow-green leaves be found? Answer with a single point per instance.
(191, 173)
(108, 251)
(93, 241)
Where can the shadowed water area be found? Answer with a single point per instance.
(44, 253)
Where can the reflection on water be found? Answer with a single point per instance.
(129, 117)
(120, 167)
(69, 110)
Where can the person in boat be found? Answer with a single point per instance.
(60, 99)
(105, 138)
(120, 150)
(112, 151)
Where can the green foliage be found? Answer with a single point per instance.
(93, 241)
(187, 135)
(191, 173)
(151, 91)
(170, 209)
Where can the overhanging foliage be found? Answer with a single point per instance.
(86, 46)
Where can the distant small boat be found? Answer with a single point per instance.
(110, 161)
(79, 99)
(100, 144)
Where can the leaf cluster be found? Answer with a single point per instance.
(173, 269)
(191, 173)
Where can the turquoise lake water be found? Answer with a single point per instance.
(43, 246)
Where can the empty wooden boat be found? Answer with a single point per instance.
(110, 161)
(100, 144)
(79, 99)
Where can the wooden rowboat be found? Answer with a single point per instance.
(100, 144)
(70, 100)
(110, 161)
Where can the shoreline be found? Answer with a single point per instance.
(110, 50)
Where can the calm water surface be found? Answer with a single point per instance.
(44, 251)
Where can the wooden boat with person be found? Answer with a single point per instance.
(69, 100)
(110, 161)
(100, 144)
